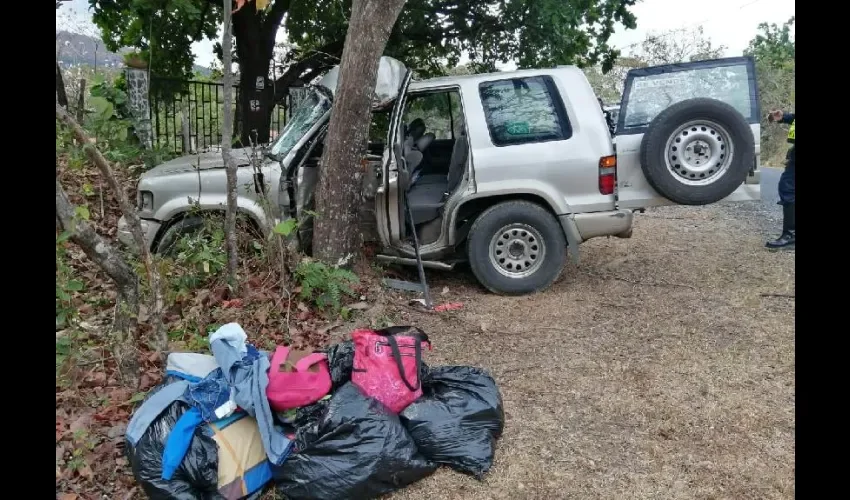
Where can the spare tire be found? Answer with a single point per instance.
(697, 151)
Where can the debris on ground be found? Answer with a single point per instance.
(384, 419)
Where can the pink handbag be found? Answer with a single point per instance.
(387, 364)
(297, 378)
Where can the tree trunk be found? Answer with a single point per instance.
(256, 90)
(107, 258)
(61, 95)
(129, 212)
(227, 135)
(335, 240)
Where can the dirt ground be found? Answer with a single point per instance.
(658, 367)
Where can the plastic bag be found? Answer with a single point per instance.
(458, 419)
(197, 476)
(340, 361)
(363, 452)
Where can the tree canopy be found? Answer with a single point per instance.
(529, 32)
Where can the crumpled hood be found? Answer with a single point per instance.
(204, 160)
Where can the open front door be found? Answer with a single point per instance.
(394, 175)
(701, 153)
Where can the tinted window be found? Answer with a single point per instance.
(649, 95)
(524, 110)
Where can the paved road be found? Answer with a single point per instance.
(769, 185)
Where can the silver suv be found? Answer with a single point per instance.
(505, 170)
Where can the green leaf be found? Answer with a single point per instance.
(74, 286)
(63, 237)
(286, 227)
(82, 212)
(103, 109)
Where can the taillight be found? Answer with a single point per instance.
(607, 174)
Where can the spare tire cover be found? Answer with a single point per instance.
(697, 151)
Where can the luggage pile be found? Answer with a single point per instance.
(356, 420)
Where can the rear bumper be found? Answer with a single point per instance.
(149, 229)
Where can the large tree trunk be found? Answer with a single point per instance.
(255, 38)
(107, 258)
(335, 240)
(229, 164)
(129, 212)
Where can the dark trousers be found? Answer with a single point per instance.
(787, 180)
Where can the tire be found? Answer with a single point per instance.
(697, 151)
(186, 225)
(532, 233)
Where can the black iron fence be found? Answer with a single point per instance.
(190, 120)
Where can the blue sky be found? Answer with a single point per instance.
(732, 23)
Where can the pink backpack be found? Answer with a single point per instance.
(387, 364)
(297, 378)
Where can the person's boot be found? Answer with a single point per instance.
(789, 229)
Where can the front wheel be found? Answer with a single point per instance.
(516, 248)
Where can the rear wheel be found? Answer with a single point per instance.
(697, 151)
(516, 248)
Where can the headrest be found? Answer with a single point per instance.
(423, 142)
(416, 128)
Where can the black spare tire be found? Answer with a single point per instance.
(697, 151)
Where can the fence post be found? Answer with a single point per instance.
(139, 103)
(81, 102)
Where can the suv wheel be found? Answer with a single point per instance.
(516, 248)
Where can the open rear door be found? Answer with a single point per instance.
(390, 199)
(648, 92)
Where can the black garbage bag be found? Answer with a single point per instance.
(340, 363)
(197, 476)
(458, 419)
(306, 423)
(363, 452)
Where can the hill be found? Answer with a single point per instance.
(75, 48)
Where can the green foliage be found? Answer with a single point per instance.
(428, 32)
(774, 48)
(66, 285)
(324, 285)
(113, 92)
(200, 257)
(161, 32)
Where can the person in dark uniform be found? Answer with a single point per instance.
(786, 186)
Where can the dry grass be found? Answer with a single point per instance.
(654, 369)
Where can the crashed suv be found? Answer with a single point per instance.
(506, 171)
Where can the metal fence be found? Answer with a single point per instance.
(190, 120)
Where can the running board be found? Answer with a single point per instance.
(430, 264)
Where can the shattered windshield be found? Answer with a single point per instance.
(651, 94)
(305, 116)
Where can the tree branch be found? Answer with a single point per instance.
(130, 215)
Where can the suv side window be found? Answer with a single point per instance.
(524, 110)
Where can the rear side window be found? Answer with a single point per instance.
(524, 110)
(648, 92)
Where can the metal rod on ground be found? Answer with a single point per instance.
(428, 304)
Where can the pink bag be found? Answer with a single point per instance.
(387, 364)
(297, 378)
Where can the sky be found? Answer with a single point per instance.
(732, 23)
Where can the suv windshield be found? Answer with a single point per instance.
(307, 114)
(652, 91)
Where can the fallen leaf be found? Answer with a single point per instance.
(81, 423)
(67, 496)
(60, 453)
(359, 306)
(85, 472)
(235, 303)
